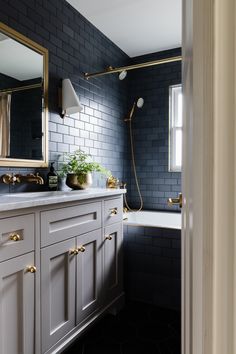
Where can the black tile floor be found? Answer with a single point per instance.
(138, 329)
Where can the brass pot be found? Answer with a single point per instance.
(81, 181)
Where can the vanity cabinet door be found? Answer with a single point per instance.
(57, 291)
(17, 323)
(113, 261)
(89, 274)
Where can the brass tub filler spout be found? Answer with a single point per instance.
(18, 178)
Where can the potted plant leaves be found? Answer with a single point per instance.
(78, 168)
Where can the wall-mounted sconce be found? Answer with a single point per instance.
(70, 103)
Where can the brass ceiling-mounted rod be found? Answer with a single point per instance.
(111, 70)
(21, 88)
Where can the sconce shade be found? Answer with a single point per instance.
(70, 100)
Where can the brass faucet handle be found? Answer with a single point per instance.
(6, 178)
(9, 178)
(176, 201)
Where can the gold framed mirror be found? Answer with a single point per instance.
(23, 101)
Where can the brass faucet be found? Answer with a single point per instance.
(18, 178)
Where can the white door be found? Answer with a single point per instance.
(209, 165)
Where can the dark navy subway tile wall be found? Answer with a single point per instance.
(153, 265)
(76, 46)
(150, 132)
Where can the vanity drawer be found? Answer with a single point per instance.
(61, 224)
(16, 236)
(113, 211)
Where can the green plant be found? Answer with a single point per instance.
(79, 164)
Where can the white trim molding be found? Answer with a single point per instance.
(209, 171)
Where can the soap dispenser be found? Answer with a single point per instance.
(52, 178)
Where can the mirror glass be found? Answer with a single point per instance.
(22, 101)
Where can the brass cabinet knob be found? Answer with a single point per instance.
(113, 211)
(31, 269)
(81, 249)
(108, 237)
(74, 252)
(176, 201)
(15, 237)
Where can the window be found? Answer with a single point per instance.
(175, 128)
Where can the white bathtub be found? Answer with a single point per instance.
(153, 219)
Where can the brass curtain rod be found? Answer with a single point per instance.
(111, 70)
(21, 88)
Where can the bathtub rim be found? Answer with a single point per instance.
(149, 224)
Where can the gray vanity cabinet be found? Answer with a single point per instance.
(70, 284)
(89, 274)
(17, 305)
(58, 264)
(77, 248)
(71, 270)
(113, 261)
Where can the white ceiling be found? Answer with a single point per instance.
(136, 26)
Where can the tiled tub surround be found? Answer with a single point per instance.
(150, 132)
(153, 265)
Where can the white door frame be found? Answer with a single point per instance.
(209, 177)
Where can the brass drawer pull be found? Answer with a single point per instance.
(74, 252)
(113, 211)
(81, 249)
(108, 237)
(31, 269)
(15, 237)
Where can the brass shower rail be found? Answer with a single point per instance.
(20, 88)
(111, 70)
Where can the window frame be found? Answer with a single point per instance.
(173, 128)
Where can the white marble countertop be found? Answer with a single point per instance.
(15, 201)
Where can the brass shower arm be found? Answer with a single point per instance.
(111, 70)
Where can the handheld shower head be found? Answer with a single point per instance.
(140, 102)
(137, 103)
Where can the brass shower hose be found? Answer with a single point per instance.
(134, 170)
